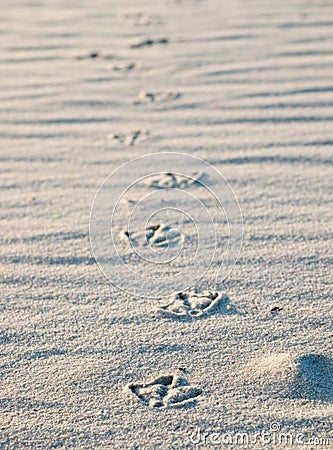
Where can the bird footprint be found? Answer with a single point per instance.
(129, 138)
(150, 42)
(124, 67)
(156, 97)
(172, 180)
(188, 305)
(140, 18)
(164, 391)
(160, 235)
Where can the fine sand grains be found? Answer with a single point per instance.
(87, 86)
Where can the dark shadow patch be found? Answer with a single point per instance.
(314, 378)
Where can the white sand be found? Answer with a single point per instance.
(246, 86)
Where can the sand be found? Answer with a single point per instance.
(88, 86)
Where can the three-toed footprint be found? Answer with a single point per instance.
(173, 180)
(159, 235)
(139, 18)
(156, 97)
(129, 137)
(189, 305)
(125, 66)
(150, 42)
(165, 391)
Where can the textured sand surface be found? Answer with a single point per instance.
(85, 86)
